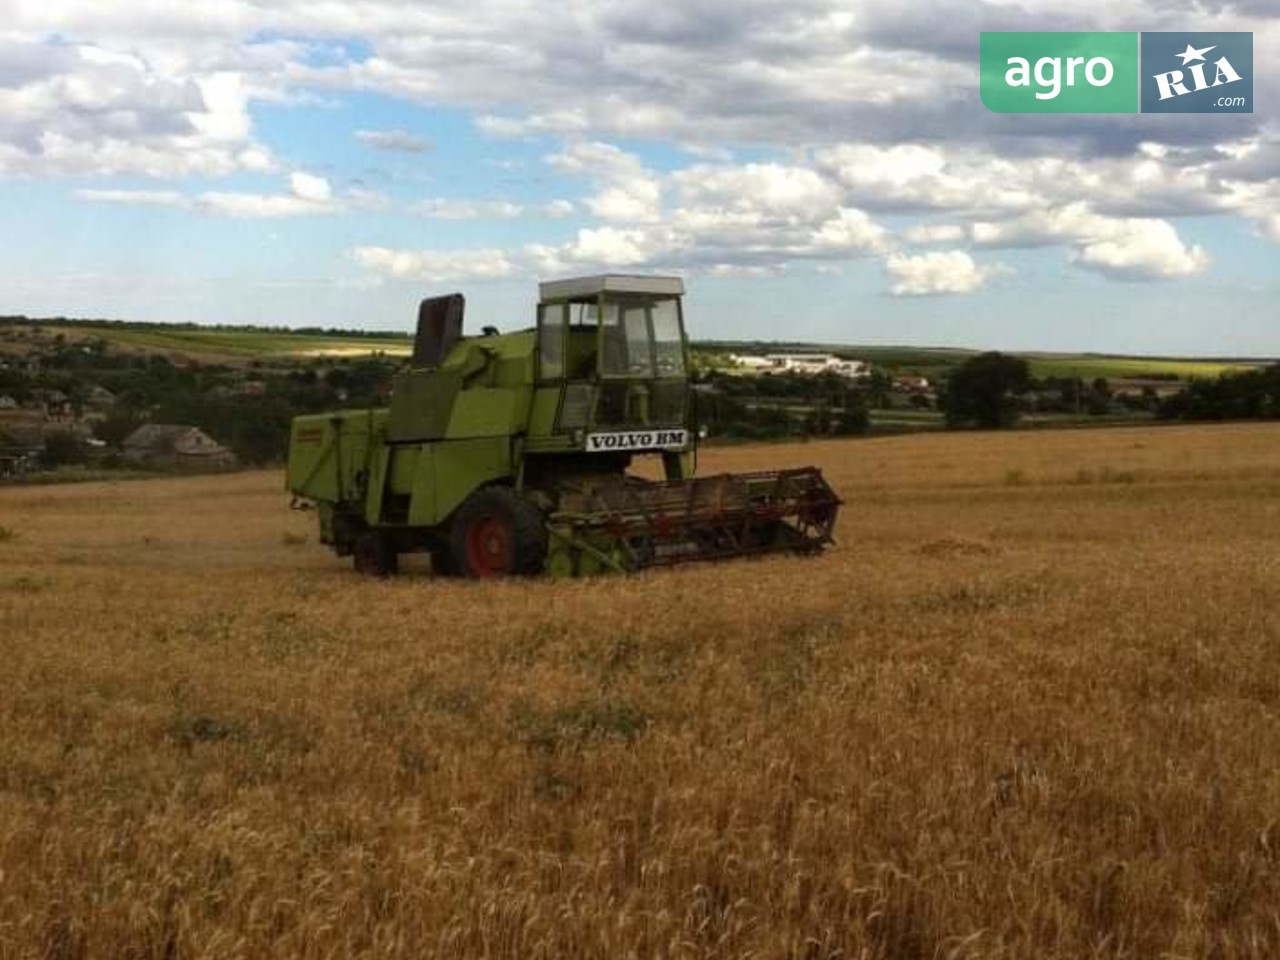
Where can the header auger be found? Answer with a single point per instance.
(508, 454)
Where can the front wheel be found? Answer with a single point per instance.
(498, 533)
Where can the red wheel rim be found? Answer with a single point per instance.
(488, 547)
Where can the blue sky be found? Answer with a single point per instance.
(820, 170)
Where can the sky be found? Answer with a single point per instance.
(817, 170)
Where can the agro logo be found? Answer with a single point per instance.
(1052, 72)
(1197, 73)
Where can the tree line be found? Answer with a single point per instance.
(990, 391)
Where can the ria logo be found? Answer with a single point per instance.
(1170, 84)
(1197, 73)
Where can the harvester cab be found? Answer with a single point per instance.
(612, 372)
(511, 453)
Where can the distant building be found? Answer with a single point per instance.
(22, 428)
(750, 361)
(99, 398)
(911, 384)
(17, 463)
(177, 446)
(57, 405)
(803, 363)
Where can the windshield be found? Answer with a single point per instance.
(632, 337)
(641, 338)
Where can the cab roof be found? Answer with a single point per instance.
(576, 287)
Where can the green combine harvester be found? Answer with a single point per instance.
(509, 454)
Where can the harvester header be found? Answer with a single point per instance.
(510, 453)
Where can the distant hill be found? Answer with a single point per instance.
(245, 343)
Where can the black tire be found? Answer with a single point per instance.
(442, 564)
(375, 555)
(496, 532)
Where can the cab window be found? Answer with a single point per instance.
(627, 341)
(551, 323)
(668, 345)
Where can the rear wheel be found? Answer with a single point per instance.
(498, 533)
(375, 555)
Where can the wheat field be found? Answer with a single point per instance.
(1029, 707)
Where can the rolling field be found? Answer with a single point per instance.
(1090, 366)
(242, 344)
(1029, 707)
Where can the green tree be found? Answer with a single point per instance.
(983, 391)
(119, 423)
(64, 447)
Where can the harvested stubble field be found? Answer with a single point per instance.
(1027, 708)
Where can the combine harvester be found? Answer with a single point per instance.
(508, 454)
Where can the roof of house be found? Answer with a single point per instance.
(155, 435)
(173, 438)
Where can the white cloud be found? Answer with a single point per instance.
(769, 190)
(308, 187)
(401, 141)
(738, 270)
(556, 121)
(611, 247)
(850, 231)
(937, 272)
(633, 202)
(441, 208)
(260, 205)
(626, 190)
(151, 198)
(89, 111)
(433, 266)
(445, 208)
(558, 209)
(934, 233)
(1142, 250)
(308, 195)
(910, 177)
(1127, 248)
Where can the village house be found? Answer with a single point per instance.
(99, 398)
(177, 446)
(907, 383)
(57, 405)
(22, 434)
